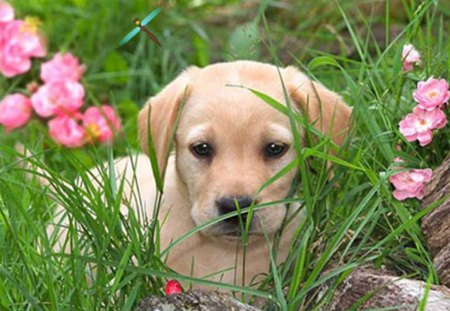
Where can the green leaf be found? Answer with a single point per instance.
(128, 109)
(202, 50)
(423, 301)
(325, 156)
(322, 61)
(117, 68)
(80, 3)
(153, 159)
(267, 99)
(244, 42)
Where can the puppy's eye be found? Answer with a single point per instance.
(275, 150)
(202, 150)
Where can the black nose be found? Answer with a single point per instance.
(228, 204)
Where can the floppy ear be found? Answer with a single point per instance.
(325, 109)
(160, 113)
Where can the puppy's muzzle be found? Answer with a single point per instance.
(232, 204)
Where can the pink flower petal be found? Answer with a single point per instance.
(58, 97)
(420, 194)
(67, 132)
(6, 12)
(62, 67)
(410, 57)
(19, 42)
(15, 111)
(410, 184)
(401, 194)
(431, 94)
(101, 123)
(425, 138)
(420, 123)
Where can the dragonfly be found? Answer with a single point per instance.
(140, 26)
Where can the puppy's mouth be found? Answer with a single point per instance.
(230, 235)
(245, 223)
(233, 229)
(234, 233)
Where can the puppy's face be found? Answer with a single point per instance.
(229, 142)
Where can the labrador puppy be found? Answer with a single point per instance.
(227, 143)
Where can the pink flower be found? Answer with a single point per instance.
(19, 42)
(420, 123)
(62, 67)
(6, 12)
(410, 184)
(15, 111)
(431, 94)
(58, 97)
(101, 123)
(410, 57)
(173, 287)
(398, 160)
(66, 131)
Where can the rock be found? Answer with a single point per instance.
(194, 300)
(384, 290)
(436, 224)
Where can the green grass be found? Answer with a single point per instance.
(351, 221)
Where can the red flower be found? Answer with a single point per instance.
(173, 287)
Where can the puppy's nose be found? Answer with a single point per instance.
(228, 204)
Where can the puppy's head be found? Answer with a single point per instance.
(229, 142)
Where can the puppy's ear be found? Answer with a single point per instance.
(325, 109)
(160, 113)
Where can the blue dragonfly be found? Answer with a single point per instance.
(140, 26)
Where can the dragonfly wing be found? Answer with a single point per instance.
(150, 16)
(130, 36)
